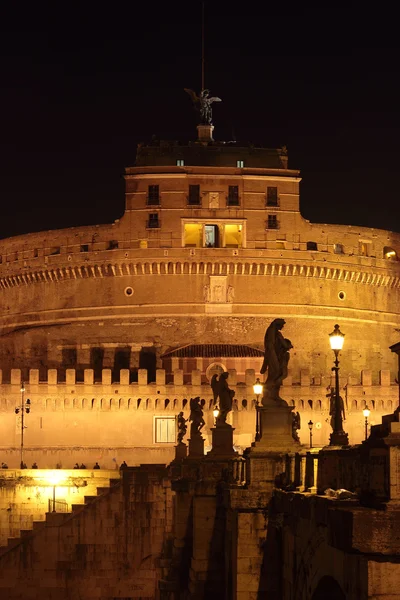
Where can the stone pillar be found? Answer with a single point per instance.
(196, 446)
(302, 485)
(314, 488)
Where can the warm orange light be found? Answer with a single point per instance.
(336, 338)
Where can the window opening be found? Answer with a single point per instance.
(164, 430)
(233, 195)
(153, 194)
(338, 248)
(211, 234)
(240, 164)
(153, 222)
(180, 162)
(272, 222)
(194, 194)
(272, 196)
(312, 246)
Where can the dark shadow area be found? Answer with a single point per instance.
(270, 585)
(147, 360)
(328, 589)
(216, 584)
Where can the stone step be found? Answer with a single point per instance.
(102, 490)
(77, 507)
(12, 542)
(89, 499)
(115, 481)
(37, 525)
(25, 533)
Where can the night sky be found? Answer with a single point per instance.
(82, 85)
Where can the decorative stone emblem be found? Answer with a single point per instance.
(218, 291)
(213, 200)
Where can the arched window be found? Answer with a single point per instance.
(389, 253)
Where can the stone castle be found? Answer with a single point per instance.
(109, 331)
(112, 328)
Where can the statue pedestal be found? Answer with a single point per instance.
(338, 438)
(205, 132)
(275, 429)
(196, 446)
(222, 442)
(180, 451)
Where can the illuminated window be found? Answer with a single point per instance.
(338, 248)
(213, 235)
(272, 222)
(194, 194)
(389, 253)
(180, 162)
(272, 196)
(240, 164)
(233, 235)
(233, 195)
(312, 246)
(164, 430)
(153, 196)
(364, 248)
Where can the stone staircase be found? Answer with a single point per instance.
(57, 518)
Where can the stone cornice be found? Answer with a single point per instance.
(208, 267)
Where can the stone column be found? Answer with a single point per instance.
(302, 485)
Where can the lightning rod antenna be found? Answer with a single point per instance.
(202, 46)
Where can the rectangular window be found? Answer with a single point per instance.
(35, 253)
(272, 222)
(55, 250)
(153, 222)
(164, 430)
(84, 247)
(112, 245)
(69, 357)
(312, 246)
(233, 195)
(272, 196)
(240, 164)
(180, 162)
(338, 248)
(364, 248)
(154, 194)
(194, 194)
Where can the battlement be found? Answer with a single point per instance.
(310, 393)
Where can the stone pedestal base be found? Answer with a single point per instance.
(205, 133)
(275, 429)
(196, 447)
(222, 442)
(180, 451)
(339, 438)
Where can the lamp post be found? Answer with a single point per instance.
(24, 407)
(215, 414)
(338, 436)
(257, 389)
(310, 426)
(366, 413)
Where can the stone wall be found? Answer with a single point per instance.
(110, 422)
(108, 549)
(25, 496)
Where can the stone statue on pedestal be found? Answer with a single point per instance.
(196, 417)
(296, 424)
(276, 358)
(222, 391)
(182, 427)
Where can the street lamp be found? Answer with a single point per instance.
(216, 414)
(366, 413)
(257, 389)
(338, 436)
(25, 407)
(310, 426)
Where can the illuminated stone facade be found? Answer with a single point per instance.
(212, 246)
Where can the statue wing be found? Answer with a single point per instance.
(214, 99)
(193, 95)
(214, 383)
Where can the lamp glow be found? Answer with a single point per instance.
(258, 387)
(366, 412)
(216, 412)
(336, 339)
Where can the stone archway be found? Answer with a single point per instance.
(328, 589)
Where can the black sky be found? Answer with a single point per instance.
(82, 85)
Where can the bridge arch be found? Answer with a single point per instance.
(328, 589)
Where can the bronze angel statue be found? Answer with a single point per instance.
(203, 103)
